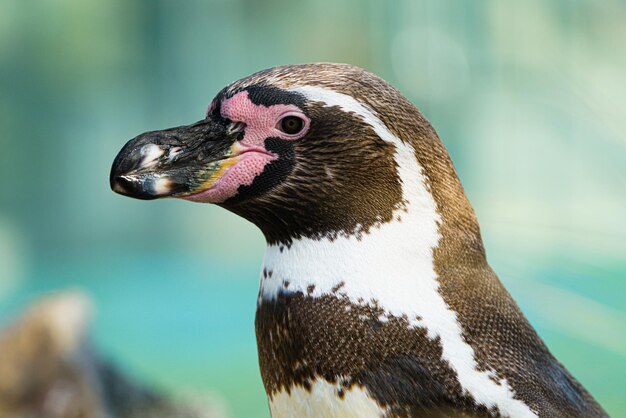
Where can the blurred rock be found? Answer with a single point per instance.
(48, 369)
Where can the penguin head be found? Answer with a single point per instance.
(299, 150)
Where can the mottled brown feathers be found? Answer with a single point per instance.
(301, 339)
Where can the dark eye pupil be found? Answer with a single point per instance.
(291, 125)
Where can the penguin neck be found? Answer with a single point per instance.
(384, 267)
(394, 264)
(391, 267)
(401, 272)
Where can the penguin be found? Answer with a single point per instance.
(50, 369)
(376, 297)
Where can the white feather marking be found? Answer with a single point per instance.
(161, 185)
(323, 401)
(151, 153)
(392, 266)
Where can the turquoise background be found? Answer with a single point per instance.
(529, 97)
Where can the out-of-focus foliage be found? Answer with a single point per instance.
(529, 97)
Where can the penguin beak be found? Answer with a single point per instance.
(175, 162)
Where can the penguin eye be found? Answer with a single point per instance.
(291, 125)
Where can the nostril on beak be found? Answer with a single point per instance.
(151, 154)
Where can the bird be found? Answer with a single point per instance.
(375, 296)
(51, 369)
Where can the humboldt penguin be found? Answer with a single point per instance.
(49, 368)
(376, 298)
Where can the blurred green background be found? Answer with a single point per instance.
(529, 97)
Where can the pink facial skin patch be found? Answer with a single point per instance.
(249, 154)
(234, 172)
(261, 121)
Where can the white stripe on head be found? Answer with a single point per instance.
(392, 266)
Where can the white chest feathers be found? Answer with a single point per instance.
(322, 401)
